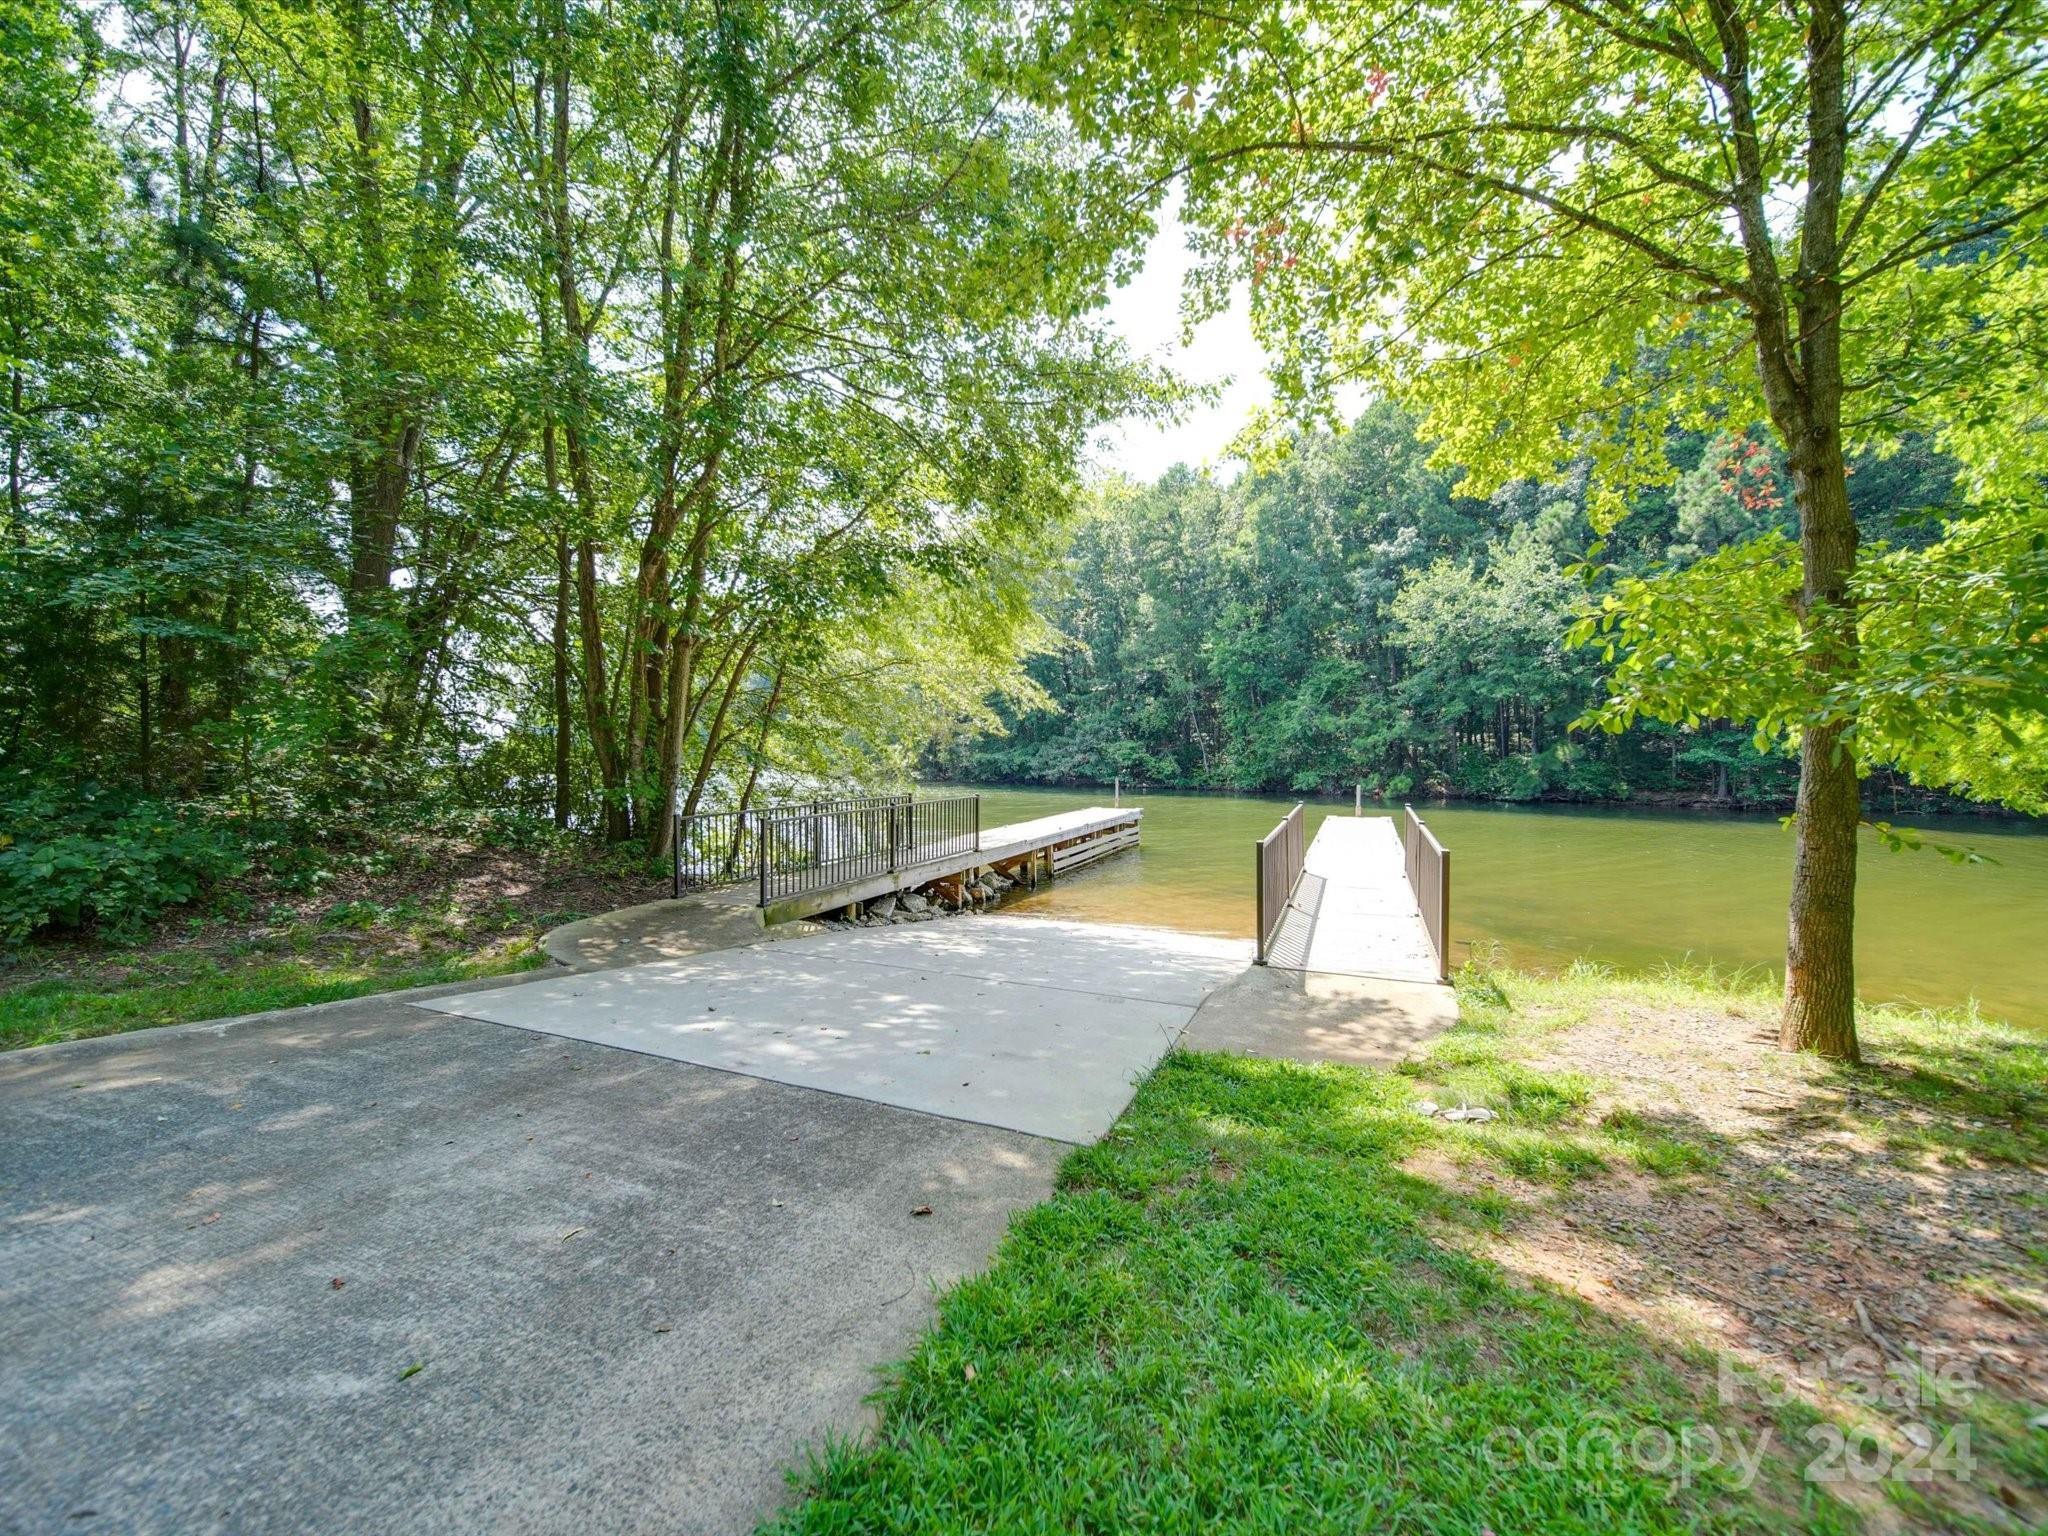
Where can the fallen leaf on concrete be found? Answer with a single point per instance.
(336, 1283)
(209, 1218)
(570, 1233)
(412, 1370)
(661, 1327)
(920, 1210)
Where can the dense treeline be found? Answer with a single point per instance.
(1344, 617)
(549, 407)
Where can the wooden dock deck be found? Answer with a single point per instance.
(1039, 848)
(1353, 912)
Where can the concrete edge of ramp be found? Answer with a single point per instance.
(672, 928)
(854, 1096)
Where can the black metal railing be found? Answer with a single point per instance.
(713, 848)
(1277, 862)
(836, 842)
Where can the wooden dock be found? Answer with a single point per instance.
(1026, 851)
(1353, 911)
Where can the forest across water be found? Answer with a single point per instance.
(1345, 616)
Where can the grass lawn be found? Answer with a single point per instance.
(176, 990)
(1281, 1298)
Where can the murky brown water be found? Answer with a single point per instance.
(1629, 889)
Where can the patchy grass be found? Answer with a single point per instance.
(404, 911)
(1279, 1298)
(45, 1012)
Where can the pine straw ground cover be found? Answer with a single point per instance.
(390, 910)
(1683, 1283)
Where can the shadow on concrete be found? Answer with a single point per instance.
(1315, 1016)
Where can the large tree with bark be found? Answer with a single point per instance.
(1560, 228)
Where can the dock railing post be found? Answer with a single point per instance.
(1358, 799)
(977, 823)
(1443, 916)
(1259, 885)
(675, 849)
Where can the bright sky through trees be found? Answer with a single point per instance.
(1224, 354)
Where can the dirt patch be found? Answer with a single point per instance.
(1843, 1250)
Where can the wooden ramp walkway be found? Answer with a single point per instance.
(1353, 911)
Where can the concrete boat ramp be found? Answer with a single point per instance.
(1027, 1025)
(1022, 1024)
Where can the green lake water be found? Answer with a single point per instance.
(1630, 889)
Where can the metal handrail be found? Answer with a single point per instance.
(710, 848)
(1428, 866)
(1277, 864)
(723, 847)
(809, 848)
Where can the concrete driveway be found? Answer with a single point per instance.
(635, 1289)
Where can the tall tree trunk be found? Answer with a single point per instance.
(561, 658)
(603, 744)
(376, 502)
(1797, 322)
(146, 756)
(1820, 949)
(386, 439)
(16, 507)
(582, 477)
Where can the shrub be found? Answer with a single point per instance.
(77, 856)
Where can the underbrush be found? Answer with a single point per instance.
(105, 859)
(82, 858)
(119, 912)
